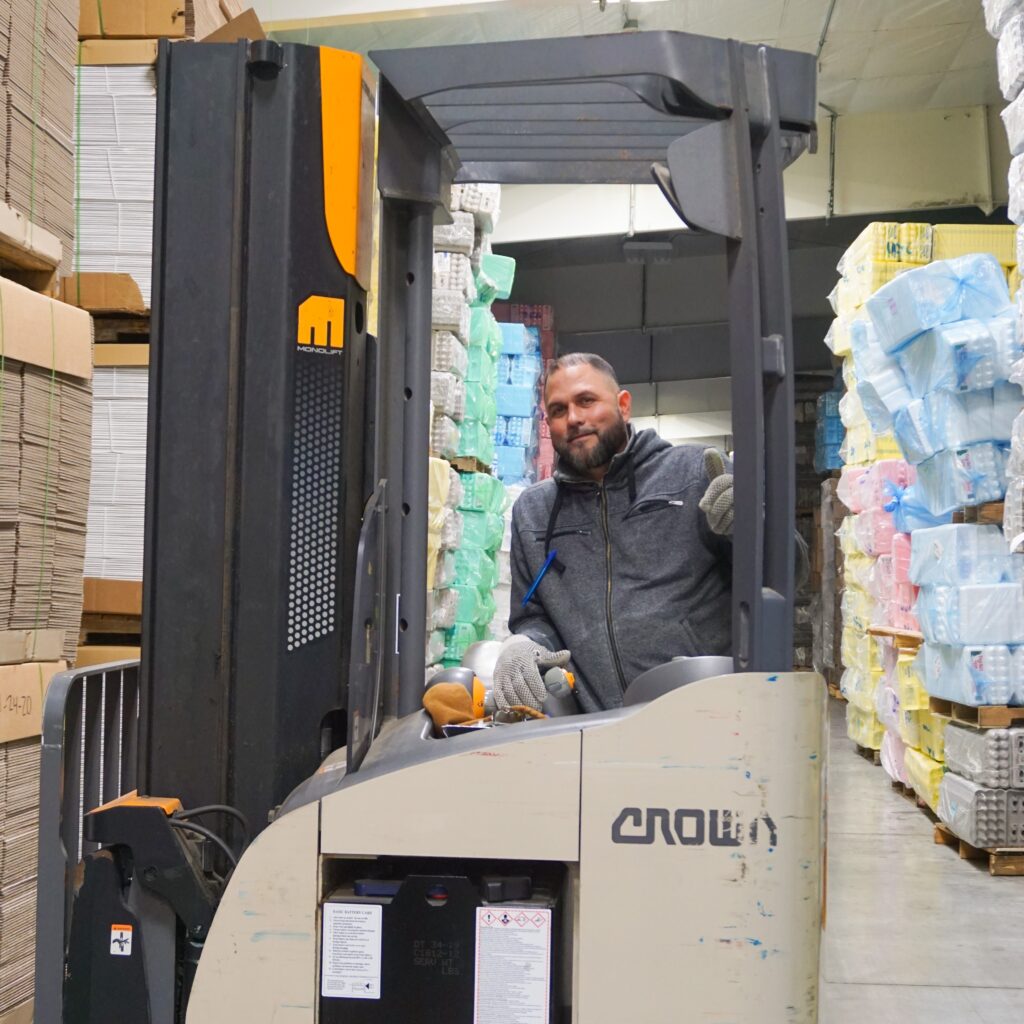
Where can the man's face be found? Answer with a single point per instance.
(588, 416)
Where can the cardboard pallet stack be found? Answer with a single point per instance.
(45, 420)
(37, 163)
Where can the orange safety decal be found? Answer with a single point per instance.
(322, 323)
(342, 112)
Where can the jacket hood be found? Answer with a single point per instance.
(642, 444)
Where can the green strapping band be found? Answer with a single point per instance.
(99, 14)
(49, 452)
(78, 176)
(35, 115)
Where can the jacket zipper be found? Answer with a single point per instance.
(608, 592)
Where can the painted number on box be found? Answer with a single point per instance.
(350, 951)
(513, 965)
(120, 940)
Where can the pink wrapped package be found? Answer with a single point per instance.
(849, 489)
(904, 597)
(880, 582)
(901, 557)
(874, 530)
(883, 478)
(893, 749)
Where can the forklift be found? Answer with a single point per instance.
(660, 862)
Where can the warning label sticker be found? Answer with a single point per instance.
(350, 951)
(120, 940)
(513, 965)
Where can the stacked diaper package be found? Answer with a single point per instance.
(929, 338)
(467, 500)
(518, 400)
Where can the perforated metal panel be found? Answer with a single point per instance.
(316, 478)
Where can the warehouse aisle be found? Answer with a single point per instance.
(913, 933)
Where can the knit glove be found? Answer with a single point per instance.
(518, 672)
(717, 503)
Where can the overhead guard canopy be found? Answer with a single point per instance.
(588, 110)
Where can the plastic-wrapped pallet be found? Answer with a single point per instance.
(925, 775)
(976, 675)
(449, 312)
(864, 728)
(989, 757)
(998, 13)
(483, 200)
(979, 815)
(950, 241)
(448, 354)
(454, 272)
(959, 553)
(1010, 57)
(448, 394)
(972, 475)
(457, 236)
(970, 287)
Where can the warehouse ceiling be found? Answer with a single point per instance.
(874, 55)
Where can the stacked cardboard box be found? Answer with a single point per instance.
(44, 480)
(38, 39)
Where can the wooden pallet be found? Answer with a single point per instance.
(835, 693)
(903, 639)
(874, 756)
(112, 328)
(994, 717)
(29, 254)
(469, 464)
(992, 512)
(1001, 860)
(110, 629)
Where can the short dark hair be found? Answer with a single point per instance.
(581, 359)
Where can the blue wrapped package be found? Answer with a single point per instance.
(972, 613)
(959, 553)
(881, 386)
(977, 675)
(515, 431)
(522, 370)
(515, 400)
(947, 419)
(510, 464)
(909, 512)
(962, 476)
(969, 287)
(516, 340)
(969, 355)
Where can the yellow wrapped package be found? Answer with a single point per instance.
(855, 649)
(848, 542)
(910, 727)
(952, 240)
(860, 281)
(886, 447)
(1013, 279)
(438, 482)
(858, 609)
(851, 411)
(925, 775)
(933, 735)
(863, 727)
(861, 447)
(857, 569)
(837, 337)
(879, 241)
(916, 243)
(909, 687)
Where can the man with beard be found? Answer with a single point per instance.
(623, 560)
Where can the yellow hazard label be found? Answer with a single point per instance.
(322, 323)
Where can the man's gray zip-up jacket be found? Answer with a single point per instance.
(637, 577)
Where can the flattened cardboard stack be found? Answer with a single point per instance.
(38, 41)
(117, 155)
(19, 841)
(117, 495)
(46, 423)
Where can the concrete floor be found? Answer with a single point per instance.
(913, 933)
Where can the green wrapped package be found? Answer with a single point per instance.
(481, 404)
(482, 492)
(470, 604)
(458, 638)
(480, 320)
(495, 278)
(476, 567)
(480, 368)
(476, 441)
(482, 530)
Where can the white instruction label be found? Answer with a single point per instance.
(513, 965)
(121, 940)
(350, 951)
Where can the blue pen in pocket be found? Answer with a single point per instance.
(540, 575)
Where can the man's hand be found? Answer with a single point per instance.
(717, 503)
(519, 671)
